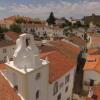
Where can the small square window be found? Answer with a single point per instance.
(68, 98)
(37, 76)
(37, 95)
(16, 88)
(4, 50)
(61, 85)
(59, 97)
(66, 89)
(91, 82)
(67, 78)
(55, 88)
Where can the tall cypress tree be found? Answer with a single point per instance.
(51, 19)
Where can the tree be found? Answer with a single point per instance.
(15, 28)
(66, 24)
(2, 30)
(67, 33)
(51, 19)
(86, 26)
(85, 36)
(77, 24)
(20, 20)
(2, 36)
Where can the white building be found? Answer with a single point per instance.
(7, 49)
(60, 21)
(92, 71)
(48, 78)
(41, 29)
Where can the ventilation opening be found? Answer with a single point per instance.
(16, 88)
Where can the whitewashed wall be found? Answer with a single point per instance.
(90, 75)
(41, 84)
(9, 52)
(64, 95)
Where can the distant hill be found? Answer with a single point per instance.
(15, 18)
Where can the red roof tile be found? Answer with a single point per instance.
(62, 57)
(95, 40)
(93, 63)
(59, 64)
(2, 66)
(6, 91)
(77, 40)
(12, 35)
(5, 43)
(94, 51)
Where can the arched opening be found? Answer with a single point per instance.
(16, 88)
(37, 94)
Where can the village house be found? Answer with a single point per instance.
(45, 74)
(7, 49)
(60, 21)
(42, 29)
(94, 93)
(7, 22)
(92, 68)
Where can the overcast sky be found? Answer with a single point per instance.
(42, 8)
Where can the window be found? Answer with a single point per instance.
(27, 42)
(91, 82)
(55, 89)
(95, 97)
(66, 79)
(38, 33)
(37, 76)
(16, 88)
(4, 50)
(43, 28)
(61, 85)
(37, 94)
(59, 97)
(68, 98)
(4, 59)
(11, 59)
(66, 89)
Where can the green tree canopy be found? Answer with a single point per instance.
(77, 24)
(20, 20)
(2, 29)
(15, 28)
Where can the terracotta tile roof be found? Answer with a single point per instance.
(93, 63)
(62, 57)
(12, 35)
(5, 43)
(69, 50)
(77, 40)
(90, 33)
(94, 51)
(6, 91)
(6, 22)
(59, 64)
(96, 90)
(95, 40)
(13, 18)
(2, 66)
